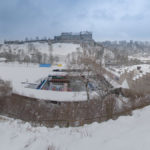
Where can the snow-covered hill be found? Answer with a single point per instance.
(61, 50)
(125, 133)
(57, 48)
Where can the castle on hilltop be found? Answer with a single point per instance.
(74, 37)
(66, 37)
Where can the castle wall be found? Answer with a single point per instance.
(70, 37)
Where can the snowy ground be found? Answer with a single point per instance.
(18, 73)
(144, 68)
(143, 57)
(125, 133)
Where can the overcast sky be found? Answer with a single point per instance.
(107, 19)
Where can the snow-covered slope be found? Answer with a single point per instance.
(125, 133)
(65, 48)
(62, 49)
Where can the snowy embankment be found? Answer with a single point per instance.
(18, 73)
(125, 133)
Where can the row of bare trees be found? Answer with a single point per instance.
(32, 55)
(88, 62)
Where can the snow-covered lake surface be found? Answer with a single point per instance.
(125, 133)
(18, 73)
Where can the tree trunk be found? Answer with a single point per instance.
(87, 91)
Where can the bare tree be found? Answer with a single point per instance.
(27, 59)
(51, 58)
(90, 70)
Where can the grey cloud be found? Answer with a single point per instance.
(107, 19)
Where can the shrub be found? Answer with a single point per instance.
(5, 88)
